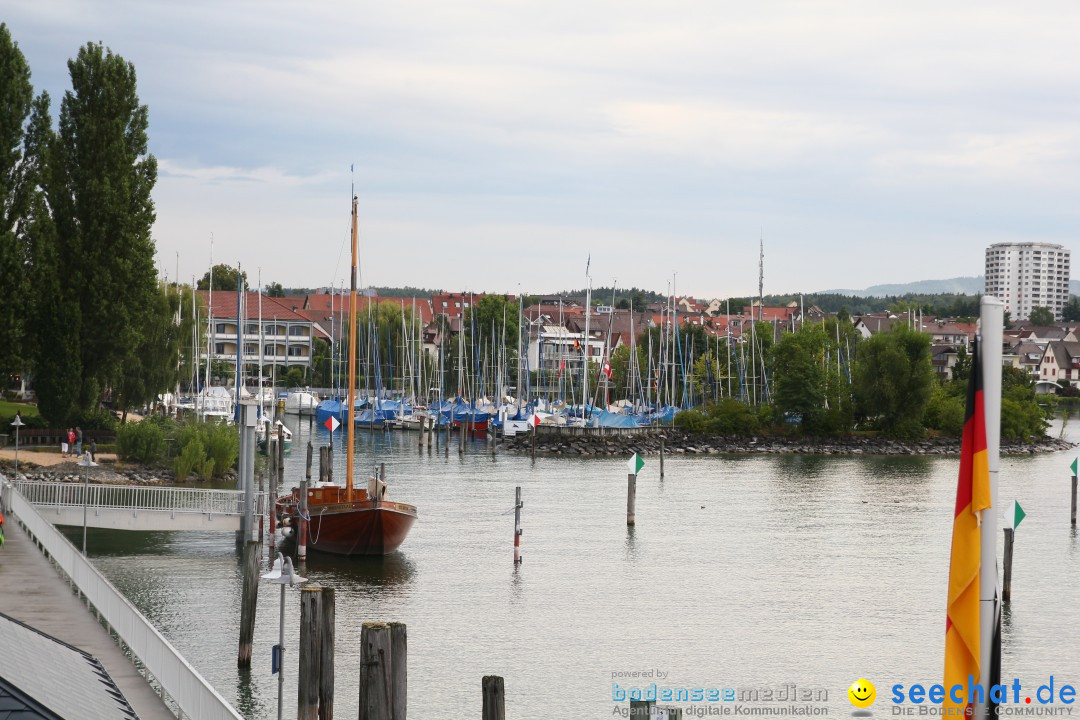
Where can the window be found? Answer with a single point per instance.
(268, 351)
(220, 328)
(251, 329)
(297, 331)
(219, 348)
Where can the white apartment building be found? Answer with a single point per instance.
(1028, 275)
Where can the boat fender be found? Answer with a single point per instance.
(286, 521)
(286, 532)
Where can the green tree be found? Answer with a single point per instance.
(1071, 311)
(1040, 316)
(893, 380)
(273, 290)
(55, 346)
(102, 177)
(156, 365)
(16, 96)
(227, 278)
(799, 376)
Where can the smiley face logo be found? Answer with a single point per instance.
(862, 693)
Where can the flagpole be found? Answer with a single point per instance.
(992, 321)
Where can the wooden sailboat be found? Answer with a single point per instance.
(344, 520)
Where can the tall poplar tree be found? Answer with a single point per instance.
(16, 94)
(102, 176)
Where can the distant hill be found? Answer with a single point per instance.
(961, 285)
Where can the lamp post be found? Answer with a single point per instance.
(18, 423)
(283, 574)
(85, 462)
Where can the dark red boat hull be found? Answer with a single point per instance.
(361, 527)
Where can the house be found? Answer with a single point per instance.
(1029, 358)
(287, 336)
(1061, 363)
(943, 359)
(943, 332)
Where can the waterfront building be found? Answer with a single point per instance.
(1028, 275)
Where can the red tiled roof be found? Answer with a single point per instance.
(224, 307)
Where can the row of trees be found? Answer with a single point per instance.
(887, 384)
(83, 311)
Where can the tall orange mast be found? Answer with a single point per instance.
(352, 363)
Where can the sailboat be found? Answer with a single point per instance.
(344, 520)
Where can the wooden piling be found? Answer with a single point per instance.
(1073, 512)
(534, 442)
(1006, 583)
(310, 651)
(429, 423)
(448, 424)
(494, 698)
(271, 453)
(631, 498)
(376, 689)
(461, 445)
(248, 603)
(517, 525)
(399, 656)
(326, 649)
(281, 458)
(661, 458)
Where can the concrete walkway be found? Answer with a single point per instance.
(33, 592)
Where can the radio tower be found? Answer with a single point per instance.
(761, 277)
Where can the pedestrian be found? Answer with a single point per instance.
(93, 450)
(78, 441)
(64, 448)
(71, 442)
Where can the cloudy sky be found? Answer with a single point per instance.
(498, 143)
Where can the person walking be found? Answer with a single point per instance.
(65, 444)
(78, 441)
(93, 450)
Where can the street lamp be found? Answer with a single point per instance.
(85, 462)
(283, 574)
(17, 423)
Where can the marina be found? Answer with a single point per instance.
(740, 571)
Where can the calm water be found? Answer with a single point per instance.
(750, 571)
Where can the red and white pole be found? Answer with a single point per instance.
(517, 525)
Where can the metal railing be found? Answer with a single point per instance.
(195, 697)
(139, 497)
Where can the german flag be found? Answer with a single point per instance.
(972, 497)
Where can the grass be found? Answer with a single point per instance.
(10, 408)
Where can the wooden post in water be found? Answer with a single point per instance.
(631, 497)
(376, 671)
(517, 525)
(429, 425)
(1006, 583)
(248, 602)
(326, 649)
(399, 655)
(494, 698)
(301, 540)
(1073, 513)
(307, 681)
(534, 431)
(448, 424)
(271, 454)
(661, 457)
(461, 446)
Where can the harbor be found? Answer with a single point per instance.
(740, 571)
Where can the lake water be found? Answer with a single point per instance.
(762, 571)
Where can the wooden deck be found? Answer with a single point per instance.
(33, 592)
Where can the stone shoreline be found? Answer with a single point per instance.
(103, 474)
(679, 442)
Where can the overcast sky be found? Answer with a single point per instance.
(498, 143)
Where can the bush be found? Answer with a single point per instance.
(141, 442)
(100, 419)
(222, 446)
(192, 459)
(218, 448)
(691, 421)
(945, 413)
(731, 417)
